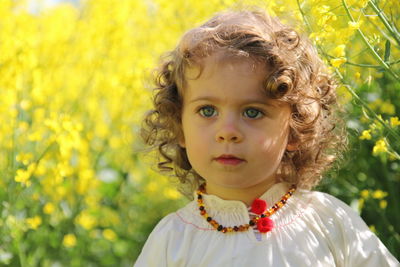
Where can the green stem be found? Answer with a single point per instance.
(385, 21)
(363, 65)
(364, 39)
(354, 94)
(380, 30)
(365, 105)
(304, 17)
(21, 254)
(371, 66)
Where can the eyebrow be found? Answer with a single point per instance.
(245, 101)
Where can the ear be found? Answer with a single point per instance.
(181, 142)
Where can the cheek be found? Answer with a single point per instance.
(193, 138)
(274, 141)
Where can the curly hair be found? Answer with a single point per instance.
(298, 77)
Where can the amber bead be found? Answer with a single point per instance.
(202, 212)
(224, 230)
(235, 228)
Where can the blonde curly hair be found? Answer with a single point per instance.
(298, 77)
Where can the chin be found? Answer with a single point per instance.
(233, 184)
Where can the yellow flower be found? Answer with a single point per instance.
(361, 203)
(25, 158)
(388, 108)
(86, 220)
(171, 193)
(69, 240)
(23, 126)
(34, 222)
(380, 147)
(354, 25)
(109, 234)
(379, 194)
(344, 96)
(360, 3)
(357, 75)
(35, 196)
(337, 62)
(364, 193)
(25, 104)
(23, 177)
(383, 204)
(13, 113)
(49, 208)
(322, 9)
(366, 135)
(152, 187)
(393, 157)
(35, 136)
(394, 121)
(339, 51)
(372, 228)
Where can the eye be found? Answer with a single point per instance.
(253, 113)
(206, 111)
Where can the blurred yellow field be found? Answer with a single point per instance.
(78, 188)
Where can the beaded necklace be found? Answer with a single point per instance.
(261, 220)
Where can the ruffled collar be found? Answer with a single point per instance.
(236, 210)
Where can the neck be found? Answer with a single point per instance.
(246, 195)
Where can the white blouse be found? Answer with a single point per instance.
(311, 229)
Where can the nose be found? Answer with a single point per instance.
(229, 132)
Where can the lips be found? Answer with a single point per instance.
(227, 159)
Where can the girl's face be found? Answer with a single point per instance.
(226, 112)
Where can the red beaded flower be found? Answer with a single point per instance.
(258, 206)
(265, 225)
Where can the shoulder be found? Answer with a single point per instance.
(353, 243)
(173, 222)
(332, 214)
(164, 235)
(326, 204)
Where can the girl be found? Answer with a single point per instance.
(244, 115)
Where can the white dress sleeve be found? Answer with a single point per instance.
(356, 244)
(154, 251)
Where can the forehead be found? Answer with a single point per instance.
(224, 74)
(206, 66)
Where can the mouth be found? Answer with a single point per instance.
(229, 159)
